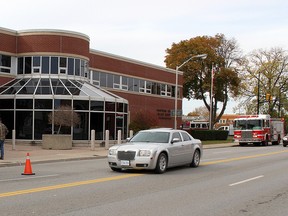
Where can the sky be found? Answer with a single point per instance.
(143, 30)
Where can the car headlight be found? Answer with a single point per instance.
(112, 151)
(144, 153)
(285, 138)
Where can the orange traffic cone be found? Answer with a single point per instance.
(28, 168)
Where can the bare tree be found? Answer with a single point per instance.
(266, 81)
(64, 116)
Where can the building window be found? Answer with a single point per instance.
(70, 66)
(27, 65)
(141, 86)
(54, 65)
(63, 65)
(45, 65)
(110, 80)
(124, 83)
(148, 87)
(20, 65)
(77, 67)
(96, 78)
(163, 89)
(36, 64)
(116, 83)
(5, 63)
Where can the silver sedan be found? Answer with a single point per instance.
(156, 149)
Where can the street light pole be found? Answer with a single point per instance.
(211, 98)
(202, 56)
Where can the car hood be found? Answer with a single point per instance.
(135, 146)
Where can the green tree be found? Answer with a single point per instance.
(223, 56)
(265, 88)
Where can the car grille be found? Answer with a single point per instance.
(247, 134)
(126, 155)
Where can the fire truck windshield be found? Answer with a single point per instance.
(250, 124)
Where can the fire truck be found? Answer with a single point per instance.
(258, 129)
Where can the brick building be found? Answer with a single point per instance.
(41, 70)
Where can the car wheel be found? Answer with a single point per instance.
(196, 159)
(116, 169)
(161, 165)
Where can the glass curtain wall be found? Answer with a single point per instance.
(26, 103)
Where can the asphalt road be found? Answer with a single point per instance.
(230, 181)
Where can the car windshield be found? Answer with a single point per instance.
(148, 136)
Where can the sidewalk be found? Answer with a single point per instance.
(39, 155)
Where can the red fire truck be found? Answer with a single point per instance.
(258, 129)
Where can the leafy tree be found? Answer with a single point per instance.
(64, 116)
(223, 56)
(265, 87)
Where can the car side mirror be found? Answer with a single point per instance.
(174, 140)
(128, 139)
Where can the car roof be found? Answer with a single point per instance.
(164, 130)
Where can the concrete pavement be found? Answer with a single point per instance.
(39, 155)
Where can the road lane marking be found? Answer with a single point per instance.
(247, 180)
(243, 158)
(213, 159)
(31, 177)
(72, 184)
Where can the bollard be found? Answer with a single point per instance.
(13, 139)
(119, 137)
(107, 139)
(131, 133)
(92, 140)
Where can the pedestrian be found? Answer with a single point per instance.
(3, 132)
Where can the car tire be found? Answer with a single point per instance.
(162, 163)
(265, 142)
(116, 169)
(196, 159)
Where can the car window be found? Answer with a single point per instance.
(185, 136)
(158, 137)
(176, 135)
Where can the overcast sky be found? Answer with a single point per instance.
(143, 30)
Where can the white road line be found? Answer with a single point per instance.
(28, 177)
(247, 180)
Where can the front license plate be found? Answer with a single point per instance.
(125, 163)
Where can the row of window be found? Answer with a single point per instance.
(79, 67)
(107, 80)
(53, 65)
(77, 104)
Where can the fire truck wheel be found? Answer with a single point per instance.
(265, 143)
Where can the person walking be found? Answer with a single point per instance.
(3, 132)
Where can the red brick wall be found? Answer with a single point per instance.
(53, 43)
(8, 43)
(157, 106)
(128, 68)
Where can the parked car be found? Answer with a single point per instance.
(285, 140)
(156, 149)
